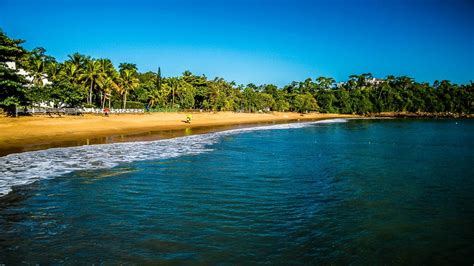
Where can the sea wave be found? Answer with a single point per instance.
(28, 167)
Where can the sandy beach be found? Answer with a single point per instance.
(39, 132)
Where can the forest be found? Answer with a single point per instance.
(83, 81)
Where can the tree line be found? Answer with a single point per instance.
(83, 81)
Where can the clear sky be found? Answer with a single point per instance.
(258, 41)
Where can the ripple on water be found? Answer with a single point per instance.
(28, 167)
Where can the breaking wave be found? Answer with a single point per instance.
(28, 167)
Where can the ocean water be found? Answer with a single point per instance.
(331, 192)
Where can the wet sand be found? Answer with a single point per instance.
(40, 132)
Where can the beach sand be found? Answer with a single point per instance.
(40, 132)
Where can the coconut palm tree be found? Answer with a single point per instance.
(129, 66)
(71, 72)
(92, 75)
(109, 82)
(128, 82)
(53, 71)
(153, 98)
(108, 68)
(173, 82)
(37, 72)
(78, 59)
(107, 85)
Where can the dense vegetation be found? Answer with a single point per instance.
(89, 82)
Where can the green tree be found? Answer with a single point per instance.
(93, 74)
(128, 82)
(108, 85)
(53, 71)
(326, 101)
(37, 72)
(325, 83)
(265, 101)
(78, 60)
(70, 72)
(305, 103)
(185, 94)
(128, 66)
(12, 86)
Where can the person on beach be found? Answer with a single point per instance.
(188, 118)
(106, 112)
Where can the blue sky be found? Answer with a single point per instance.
(258, 41)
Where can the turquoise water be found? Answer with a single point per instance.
(358, 191)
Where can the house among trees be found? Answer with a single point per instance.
(43, 79)
(32, 79)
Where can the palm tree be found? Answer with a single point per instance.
(53, 70)
(173, 84)
(129, 66)
(107, 85)
(154, 97)
(78, 59)
(128, 82)
(37, 72)
(109, 82)
(92, 75)
(71, 72)
(108, 68)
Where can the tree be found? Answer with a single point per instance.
(173, 83)
(201, 87)
(128, 82)
(78, 59)
(250, 99)
(308, 86)
(98, 79)
(281, 100)
(108, 85)
(70, 72)
(325, 83)
(158, 79)
(344, 101)
(107, 67)
(305, 103)
(12, 85)
(265, 101)
(53, 71)
(108, 82)
(128, 66)
(185, 94)
(37, 72)
(92, 75)
(60, 94)
(362, 104)
(326, 100)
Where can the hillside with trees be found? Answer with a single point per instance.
(83, 81)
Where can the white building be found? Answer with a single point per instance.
(374, 81)
(28, 77)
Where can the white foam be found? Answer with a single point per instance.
(28, 167)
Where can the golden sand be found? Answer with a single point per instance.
(24, 132)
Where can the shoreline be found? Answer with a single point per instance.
(38, 132)
(446, 115)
